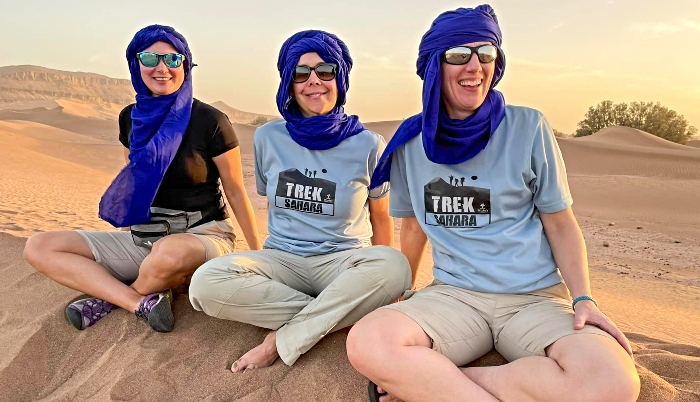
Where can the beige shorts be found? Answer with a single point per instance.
(117, 252)
(464, 325)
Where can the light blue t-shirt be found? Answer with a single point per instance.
(482, 216)
(317, 199)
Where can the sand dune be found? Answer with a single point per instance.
(105, 111)
(76, 117)
(239, 116)
(627, 151)
(629, 137)
(94, 153)
(245, 132)
(645, 270)
(39, 192)
(652, 186)
(693, 143)
(384, 128)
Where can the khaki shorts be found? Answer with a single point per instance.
(464, 325)
(117, 252)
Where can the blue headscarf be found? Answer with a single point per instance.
(158, 125)
(324, 131)
(445, 140)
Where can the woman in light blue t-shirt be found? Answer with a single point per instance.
(328, 260)
(485, 183)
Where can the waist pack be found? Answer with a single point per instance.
(163, 222)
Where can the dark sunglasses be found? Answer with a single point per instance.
(459, 55)
(150, 59)
(324, 72)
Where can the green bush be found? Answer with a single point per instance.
(646, 116)
(259, 121)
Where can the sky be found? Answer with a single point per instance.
(562, 56)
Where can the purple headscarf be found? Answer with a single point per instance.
(158, 125)
(445, 140)
(324, 131)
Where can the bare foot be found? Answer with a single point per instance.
(260, 356)
(387, 397)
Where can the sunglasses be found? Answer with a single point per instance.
(459, 55)
(324, 72)
(150, 59)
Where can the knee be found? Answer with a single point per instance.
(394, 268)
(613, 383)
(212, 286)
(199, 289)
(368, 343)
(621, 386)
(388, 255)
(360, 343)
(168, 260)
(36, 248)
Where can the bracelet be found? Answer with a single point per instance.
(578, 299)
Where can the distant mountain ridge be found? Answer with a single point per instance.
(31, 87)
(239, 116)
(29, 83)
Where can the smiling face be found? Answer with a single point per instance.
(314, 97)
(160, 79)
(464, 87)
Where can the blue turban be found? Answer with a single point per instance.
(445, 140)
(324, 131)
(158, 125)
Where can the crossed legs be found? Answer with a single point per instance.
(66, 258)
(301, 299)
(416, 357)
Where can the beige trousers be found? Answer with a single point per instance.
(303, 298)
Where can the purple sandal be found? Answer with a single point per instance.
(156, 309)
(84, 313)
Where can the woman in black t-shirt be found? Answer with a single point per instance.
(177, 151)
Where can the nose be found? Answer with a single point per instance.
(313, 79)
(473, 65)
(160, 67)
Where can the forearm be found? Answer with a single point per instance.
(569, 250)
(413, 243)
(245, 215)
(382, 230)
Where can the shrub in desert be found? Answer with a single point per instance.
(646, 116)
(259, 121)
(560, 134)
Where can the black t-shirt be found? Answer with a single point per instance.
(191, 182)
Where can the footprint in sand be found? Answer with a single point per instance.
(4, 211)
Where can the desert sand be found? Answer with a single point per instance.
(635, 196)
